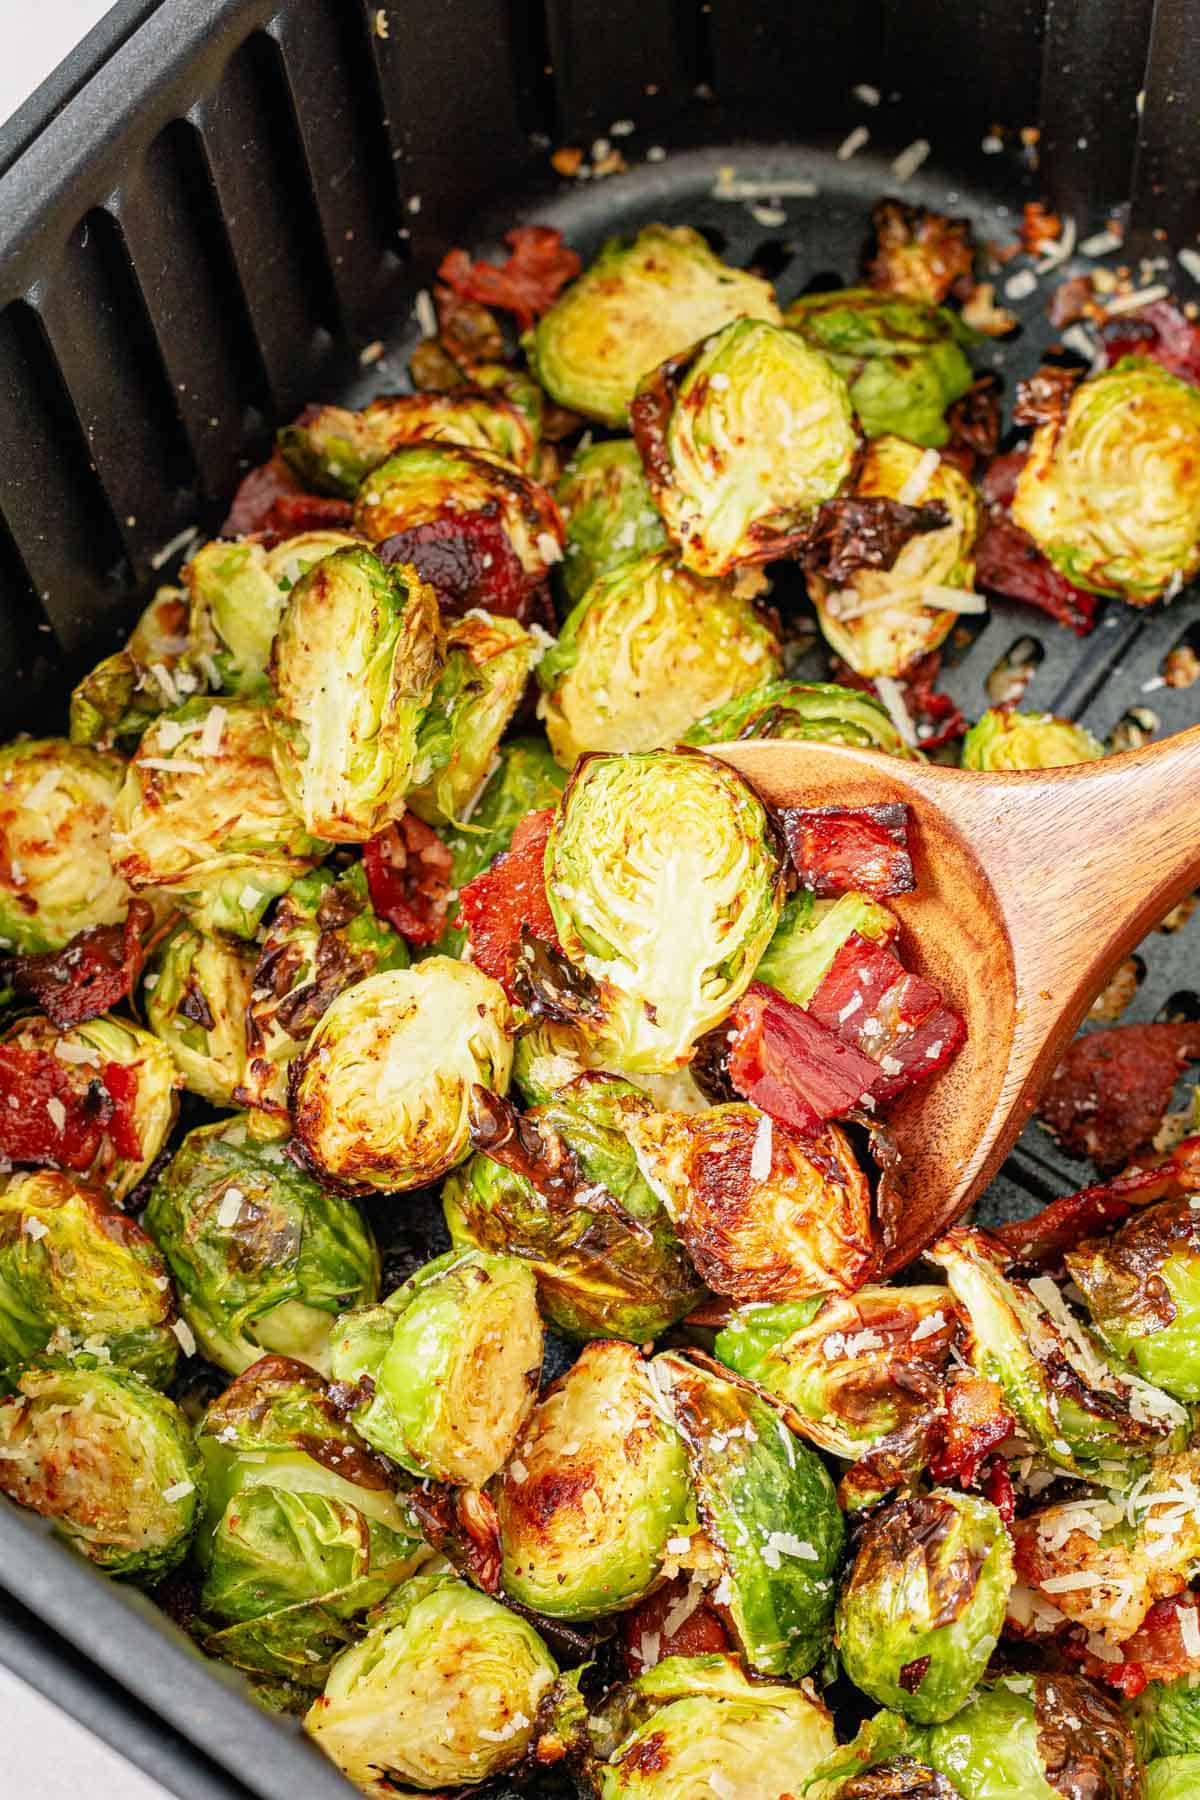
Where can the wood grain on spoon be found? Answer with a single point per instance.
(1030, 886)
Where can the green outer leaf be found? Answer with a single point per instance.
(807, 711)
(609, 511)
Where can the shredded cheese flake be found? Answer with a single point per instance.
(923, 473)
(760, 1155)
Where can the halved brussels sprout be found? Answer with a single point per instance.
(1037, 1736)
(1142, 1289)
(637, 304)
(644, 653)
(607, 1261)
(596, 1489)
(767, 1507)
(447, 1689)
(549, 1055)
(264, 1259)
(1068, 1398)
(79, 1278)
(1173, 1778)
(764, 1215)
(1111, 492)
(107, 1459)
(323, 937)
(447, 1366)
(352, 669)
(1004, 739)
(811, 932)
(526, 779)
(1166, 1719)
(380, 1094)
(119, 697)
(202, 817)
(696, 1725)
(333, 449)
(197, 996)
(238, 592)
(488, 662)
(641, 839)
(742, 438)
(808, 711)
(903, 360)
(884, 619)
(56, 824)
(922, 1608)
(610, 514)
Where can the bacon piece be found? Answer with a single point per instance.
(976, 1422)
(997, 1485)
(866, 533)
(95, 971)
(408, 872)
(791, 1066)
(539, 265)
(844, 849)
(468, 560)
(1007, 561)
(1161, 330)
(1155, 1652)
(58, 1115)
(271, 501)
(506, 898)
(868, 999)
(648, 1641)
(1057, 1228)
(1107, 1097)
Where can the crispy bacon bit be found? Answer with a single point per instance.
(791, 1066)
(870, 1001)
(538, 267)
(918, 253)
(1007, 561)
(97, 969)
(648, 1638)
(844, 849)
(1155, 1652)
(1161, 330)
(1108, 1095)
(852, 534)
(1039, 227)
(1071, 300)
(59, 1115)
(468, 560)
(510, 896)
(974, 420)
(976, 1421)
(1043, 1240)
(936, 719)
(1043, 399)
(408, 872)
(271, 501)
(997, 1485)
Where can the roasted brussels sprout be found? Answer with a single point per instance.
(197, 996)
(352, 669)
(238, 592)
(609, 511)
(109, 1460)
(637, 304)
(1111, 491)
(644, 653)
(642, 838)
(695, 1725)
(549, 1055)
(380, 1093)
(561, 1189)
(763, 1214)
(809, 935)
(333, 449)
(1142, 1289)
(921, 1610)
(1037, 1736)
(768, 1509)
(79, 1278)
(56, 823)
(1173, 1778)
(903, 360)
(446, 1690)
(810, 711)
(595, 1491)
(117, 700)
(448, 1366)
(742, 438)
(1003, 739)
(488, 662)
(883, 619)
(264, 1259)
(202, 817)
(525, 780)
(323, 937)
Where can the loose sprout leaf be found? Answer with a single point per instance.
(808, 711)
(1006, 739)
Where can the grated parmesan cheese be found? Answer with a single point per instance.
(57, 1112)
(179, 1490)
(893, 701)
(760, 1155)
(915, 486)
(909, 161)
(183, 1334)
(853, 142)
(212, 733)
(34, 1228)
(230, 1208)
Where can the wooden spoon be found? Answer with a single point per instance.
(1031, 886)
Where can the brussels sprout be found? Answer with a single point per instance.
(1067, 1397)
(488, 662)
(79, 1277)
(333, 449)
(323, 937)
(765, 1215)
(122, 694)
(202, 817)
(1037, 1736)
(644, 838)
(610, 514)
(921, 1610)
(903, 360)
(564, 1193)
(447, 1689)
(197, 997)
(695, 1725)
(109, 1460)
(811, 932)
(595, 1491)
(56, 822)
(1173, 1778)
(768, 1508)
(1166, 1719)
(1111, 493)
(742, 438)
(238, 592)
(380, 1093)
(637, 304)
(884, 619)
(808, 711)
(1142, 1289)
(1004, 739)
(549, 1055)
(352, 669)
(648, 649)
(264, 1259)
(448, 1365)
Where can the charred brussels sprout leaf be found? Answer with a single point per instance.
(742, 439)
(238, 592)
(637, 304)
(609, 511)
(903, 361)
(264, 1259)
(1142, 1288)
(197, 998)
(596, 1488)
(488, 662)
(380, 1095)
(56, 824)
(118, 699)
(805, 711)
(809, 935)
(1003, 739)
(1039, 1736)
(453, 1359)
(353, 666)
(109, 1460)
(644, 653)
(333, 449)
(526, 779)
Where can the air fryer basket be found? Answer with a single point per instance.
(216, 205)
